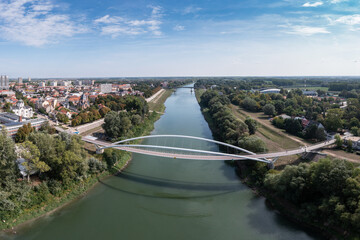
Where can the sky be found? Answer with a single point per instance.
(140, 38)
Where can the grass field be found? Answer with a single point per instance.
(310, 88)
(273, 138)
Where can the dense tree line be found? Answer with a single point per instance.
(340, 86)
(326, 191)
(60, 162)
(88, 116)
(225, 126)
(133, 104)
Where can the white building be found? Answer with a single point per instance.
(21, 110)
(64, 83)
(106, 88)
(53, 83)
(4, 82)
(42, 84)
(271, 90)
(20, 80)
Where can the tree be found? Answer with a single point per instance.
(8, 167)
(45, 127)
(31, 154)
(320, 134)
(104, 110)
(279, 107)
(23, 132)
(252, 143)
(354, 131)
(117, 124)
(292, 126)
(269, 109)
(338, 141)
(136, 119)
(111, 156)
(333, 119)
(62, 118)
(278, 122)
(250, 104)
(252, 125)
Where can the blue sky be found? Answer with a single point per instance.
(93, 38)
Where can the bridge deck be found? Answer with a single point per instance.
(211, 157)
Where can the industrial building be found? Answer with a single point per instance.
(12, 122)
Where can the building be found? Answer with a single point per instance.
(4, 82)
(29, 79)
(12, 122)
(20, 80)
(42, 84)
(271, 90)
(84, 102)
(88, 82)
(64, 83)
(78, 83)
(106, 88)
(23, 111)
(53, 83)
(310, 93)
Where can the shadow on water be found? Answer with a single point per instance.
(161, 182)
(165, 195)
(220, 188)
(265, 225)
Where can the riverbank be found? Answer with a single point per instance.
(56, 203)
(80, 190)
(286, 208)
(253, 174)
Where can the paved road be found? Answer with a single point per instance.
(149, 99)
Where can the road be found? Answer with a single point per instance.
(149, 99)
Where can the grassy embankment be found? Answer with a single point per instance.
(79, 190)
(157, 104)
(274, 139)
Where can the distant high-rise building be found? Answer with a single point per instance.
(4, 82)
(53, 83)
(88, 82)
(29, 79)
(106, 88)
(42, 84)
(20, 80)
(78, 83)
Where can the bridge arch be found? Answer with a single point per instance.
(186, 137)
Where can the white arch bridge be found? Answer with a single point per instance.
(190, 152)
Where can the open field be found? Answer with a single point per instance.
(280, 140)
(309, 88)
(337, 153)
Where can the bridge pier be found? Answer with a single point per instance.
(270, 165)
(99, 150)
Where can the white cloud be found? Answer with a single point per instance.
(116, 26)
(33, 23)
(179, 28)
(191, 10)
(315, 4)
(349, 19)
(337, 1)
(307, 31)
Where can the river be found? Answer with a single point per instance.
(162, 199)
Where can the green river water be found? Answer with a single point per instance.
(161, 198)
